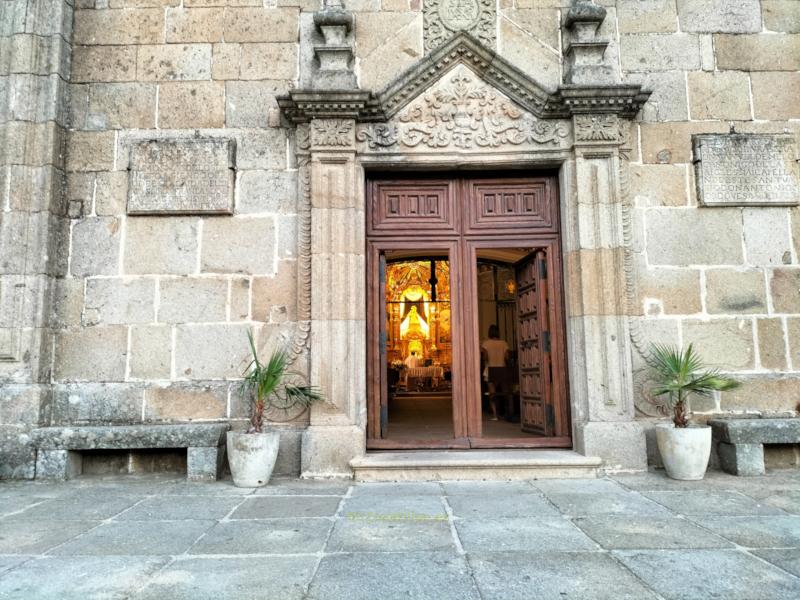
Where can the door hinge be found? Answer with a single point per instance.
(543, 268)
(546, 341)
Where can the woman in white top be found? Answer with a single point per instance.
(495, 354)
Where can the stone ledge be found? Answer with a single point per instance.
(756, 431)
(128, 437)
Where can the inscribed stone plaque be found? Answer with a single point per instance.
(746, 169)
(181, 176)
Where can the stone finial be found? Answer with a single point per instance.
(335, 56)
(585, 51)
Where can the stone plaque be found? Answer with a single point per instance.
(746, 169)
(181, 176)
(443, 18)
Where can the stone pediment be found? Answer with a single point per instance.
(461, 112)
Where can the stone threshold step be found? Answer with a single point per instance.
(450, 465)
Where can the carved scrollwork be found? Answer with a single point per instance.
(590, 128)
(331, 132)
(441, 19)
(464, 113)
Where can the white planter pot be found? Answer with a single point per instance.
(252, 457)
(684, 450)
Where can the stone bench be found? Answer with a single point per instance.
(59, 449)
(741, 441)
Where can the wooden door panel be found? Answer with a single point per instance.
(402, 205)
(503, 204)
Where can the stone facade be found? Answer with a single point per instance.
(109, 314)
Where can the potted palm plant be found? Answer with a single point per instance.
(679, 373)
(252, 453)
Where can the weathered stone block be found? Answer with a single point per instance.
(541, 23)
(730, 291)
(247, 103)
(719, 95)
(387, 44)
(174, 62)
(95, 247)
(676, 290)
(785, 288)
(225, 61)
(261, 25)
(67, 301)
(204, 464)
(91, 354)
(343, 277)
(211, 351)
(746, 460)
(771, 344)
(163, 245)
(277, 291)
(122, 106)
(186, 402)
(532, 56)
(194, 25)
(267, 192)
(103, 63)
(769, 395)
(57, 464)
(262, 149)
(654, 16)
(151, 352)
(724, 343)
(780, 15)
(775, 95)
(119, 301)
(191, 105)
(679, 237)
(97, 403)
(269, 61)
(193, 300)
(126, 437)
(794, 217)
(327, 450)
(742, 16)
(663, 185)
(746, 169)
(777, 52)
(793, 331)
(667, 101)
(90, 151)
(671, 142)
(147, 3)
(119, 27)
(110, 193)
(678, 51)
(254, 250)
(287, 236)
(182, 176)
(767, 237)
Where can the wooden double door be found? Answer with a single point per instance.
(471, 222)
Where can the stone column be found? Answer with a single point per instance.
(338, 327)
(600, 345)
(34, 68)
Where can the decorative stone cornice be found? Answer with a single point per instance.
(301, 106)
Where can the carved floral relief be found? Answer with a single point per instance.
(596, 128)
(462, 112)
(443, 18)
(331, 132)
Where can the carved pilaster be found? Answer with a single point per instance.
(585, 50)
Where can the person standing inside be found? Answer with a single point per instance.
(495, 355)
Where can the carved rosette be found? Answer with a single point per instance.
(336, 133)
(441, 19)
(597, 128)
(462, 113)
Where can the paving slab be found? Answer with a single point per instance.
(605, 503)
(501, 535)
(7, 562)
(578, 486)
(502, 505)
(393, 489)
(708, 502)
(171, 508)
(787, 559)
(418, 575)
(18, 503)
(756, 532)
(136, 537)
(647, 532)
(555, 576)
(487, 488)
(271, 507)
(79, 578)
(400, 506)
(237, 578)
(275, 536)
(788, 501)
(310, 487)
(35, 537)
(78, 507)
(395, 535)
(198, 488)
(704, 574)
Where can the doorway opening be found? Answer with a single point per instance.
(465, 328)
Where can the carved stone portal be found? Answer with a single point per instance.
(441, 19)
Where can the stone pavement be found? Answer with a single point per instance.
(624, 537)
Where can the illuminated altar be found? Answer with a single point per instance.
(418, 311)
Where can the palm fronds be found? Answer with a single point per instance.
(680, 373)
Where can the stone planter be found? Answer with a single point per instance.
(684, 450)
(252, 457)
